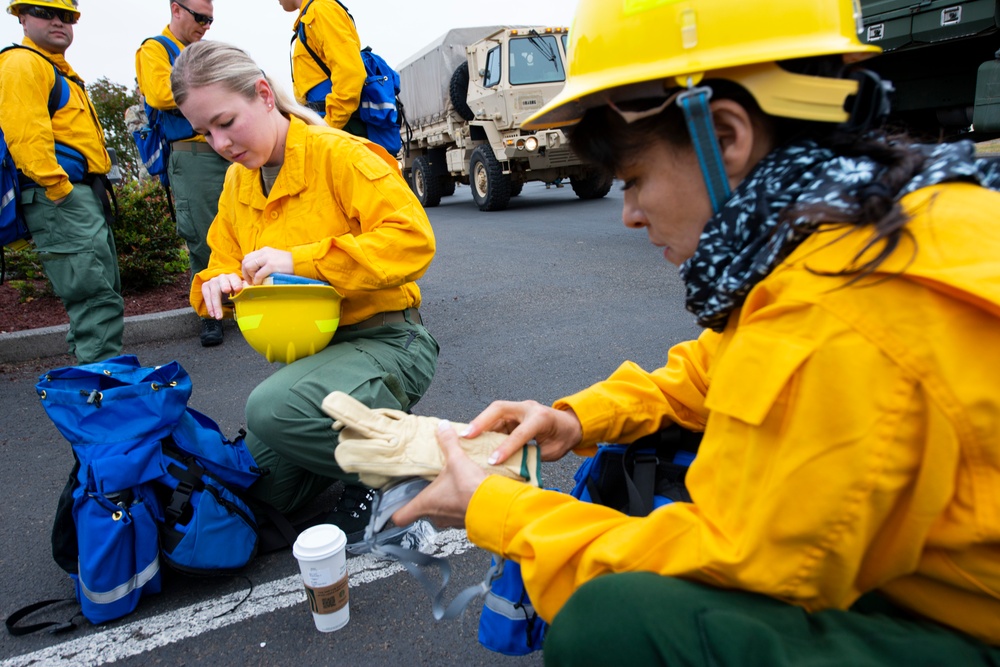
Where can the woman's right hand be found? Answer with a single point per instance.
(213, 290)
(555, 431)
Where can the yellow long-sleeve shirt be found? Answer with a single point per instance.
(25, 83)
(331, 34)
(342, 209)
(851, 438)
(152, 71)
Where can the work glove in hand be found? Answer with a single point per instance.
(381, 445)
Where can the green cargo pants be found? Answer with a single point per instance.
(197, 174)
(77, 250)
(645, 619)
(290, 437)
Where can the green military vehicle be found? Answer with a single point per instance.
(941, 57)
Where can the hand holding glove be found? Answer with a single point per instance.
(382, 445)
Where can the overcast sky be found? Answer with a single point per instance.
(110, 31)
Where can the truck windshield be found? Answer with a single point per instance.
(535, 59)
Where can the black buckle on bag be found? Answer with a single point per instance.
(179, 511)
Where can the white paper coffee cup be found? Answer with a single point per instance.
(320, 552)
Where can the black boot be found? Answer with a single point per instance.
(211, 332)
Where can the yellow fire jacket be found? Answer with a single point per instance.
(25, 83)
(343, 211)
(152, 71)
(331, 34)
(852, 437)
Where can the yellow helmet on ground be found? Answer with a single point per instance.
(63, 5)
(285, 322)
(630, 49)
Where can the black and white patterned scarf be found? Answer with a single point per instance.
(745, 241)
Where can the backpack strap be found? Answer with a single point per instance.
(172, 51)
(59, 95)
(300, 35)
(54, 626)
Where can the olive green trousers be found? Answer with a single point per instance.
(646, 619)
(289, 435)
(196, 180)
(77, 250)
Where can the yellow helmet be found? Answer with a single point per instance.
(64, 5)
(287, 322)
(618, 48)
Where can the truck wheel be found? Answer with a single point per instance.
(592, 185)
(447, 186)
(458, 91)
(515, 188)
(426, 185)
(490, 186)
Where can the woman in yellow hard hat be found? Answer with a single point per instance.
(306, 199)
(847, 382)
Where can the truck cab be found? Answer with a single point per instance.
(465, 100)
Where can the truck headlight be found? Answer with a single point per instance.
(531, 143)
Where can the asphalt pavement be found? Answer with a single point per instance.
(534, 302)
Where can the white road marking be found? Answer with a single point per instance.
(124, 641)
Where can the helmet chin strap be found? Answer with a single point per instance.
(694, 103)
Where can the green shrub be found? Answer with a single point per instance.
(150, 253)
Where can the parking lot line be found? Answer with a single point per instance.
(138, 637)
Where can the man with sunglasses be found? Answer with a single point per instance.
(195, 172)
(57, 143)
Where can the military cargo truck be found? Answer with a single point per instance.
(941, 57)
(465, 96)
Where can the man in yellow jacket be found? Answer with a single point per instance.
(63, 163)
(195, 171)
(327, 70)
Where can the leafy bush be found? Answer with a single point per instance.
(150, 253)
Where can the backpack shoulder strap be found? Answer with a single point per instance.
(172, 51)
(300, 34)
(59, 95)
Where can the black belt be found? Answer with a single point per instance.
(390, 317)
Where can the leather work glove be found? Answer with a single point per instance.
(382, 445)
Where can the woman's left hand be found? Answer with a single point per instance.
(261, 263)
(447, 498)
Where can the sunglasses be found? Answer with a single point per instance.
(200, 19)
(46, 14)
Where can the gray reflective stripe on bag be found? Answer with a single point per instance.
(135, 583)
(500, 605)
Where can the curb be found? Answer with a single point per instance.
(18, 346)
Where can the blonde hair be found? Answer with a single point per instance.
(207, 63)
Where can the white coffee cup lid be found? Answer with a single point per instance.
(319, 542)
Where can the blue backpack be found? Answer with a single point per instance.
(380, 108)
(153, 479)
(634, 479)
(13, 228)
(162, 127)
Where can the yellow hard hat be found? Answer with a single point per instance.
(65, 5)
(619, 49)
(288, 322)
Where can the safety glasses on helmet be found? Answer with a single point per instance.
(200, 19)
(47, 14)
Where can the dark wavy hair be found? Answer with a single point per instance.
(604, 138)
